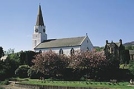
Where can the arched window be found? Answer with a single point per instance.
(87, 49)
(40, 51)
(60, 51)
(72, 51)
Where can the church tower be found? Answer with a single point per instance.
(39, 34)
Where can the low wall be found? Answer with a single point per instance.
(27, 86)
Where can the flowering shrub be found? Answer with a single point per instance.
(93, 64)
(87, 59)
(50, 63)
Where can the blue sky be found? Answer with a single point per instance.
(101, 19)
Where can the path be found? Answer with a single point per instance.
(12, 85)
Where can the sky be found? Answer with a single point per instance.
(101, 19)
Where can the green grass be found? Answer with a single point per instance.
(120, 85)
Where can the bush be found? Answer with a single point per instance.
(21, 71)
(131, 67)
(2, 74)
(6, 82)
(82, 79)
(50, 63)
(91, 63)
(34, 74)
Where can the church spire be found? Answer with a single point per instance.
(39, 21)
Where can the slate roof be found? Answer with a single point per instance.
(118, 44)
(64, 42)
(39, 21)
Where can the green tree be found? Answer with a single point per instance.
(3, 70)
(8, 66)
(131, 67)
(99, 48)
(34, 74)
(1, 52)
(129, 47)
(22, 70)
(11, 64)
(9, 51)
(26, 57)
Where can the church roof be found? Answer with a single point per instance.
(39, 21)
(64, 42)
(118, 44)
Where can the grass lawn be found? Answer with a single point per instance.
(120, 85)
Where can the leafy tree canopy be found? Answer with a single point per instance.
(129, 47)
(1, 52)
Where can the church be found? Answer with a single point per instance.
(65, 46)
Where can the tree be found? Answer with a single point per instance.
(10, 64)
(131, 67)
(125, 57)
(26, 57)
(9, 51)
(8, 67)
(50, 63)
(34, 74)
(3, 70)
(22, 70)
(99, 48)
(1, 52)
(129, 47)
(90, 61)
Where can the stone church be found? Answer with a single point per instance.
(61, 46)
(116, 50)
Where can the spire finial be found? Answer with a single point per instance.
(86, 34)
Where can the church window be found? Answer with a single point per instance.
(40, 51)
(111, 51)
(72, 51)
(60, 51)
(43, 30)
(87, 49)
(87, 41)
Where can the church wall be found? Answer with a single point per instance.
(86, 44)
(36, 39)
(66, 50)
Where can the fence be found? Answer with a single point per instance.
(25, 86)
